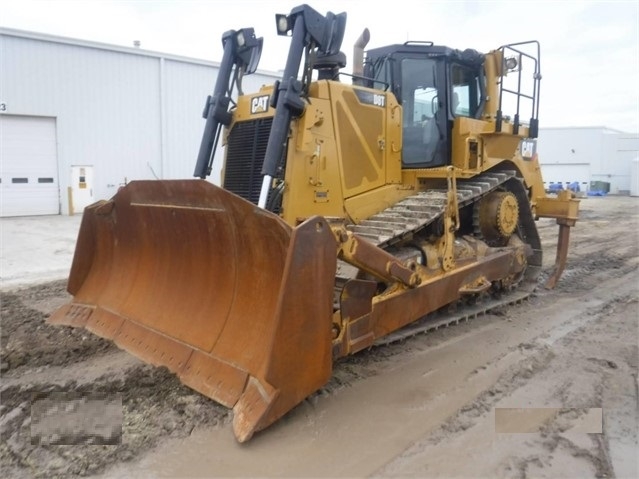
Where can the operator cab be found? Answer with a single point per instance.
(434, 85)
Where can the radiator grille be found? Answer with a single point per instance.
(245, 152)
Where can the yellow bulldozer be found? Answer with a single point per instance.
(355, 207)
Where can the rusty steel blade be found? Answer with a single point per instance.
(186, 275)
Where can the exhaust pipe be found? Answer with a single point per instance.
(358, 56)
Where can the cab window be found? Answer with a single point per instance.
(465, 95)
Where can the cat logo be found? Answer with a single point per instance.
(259, 104)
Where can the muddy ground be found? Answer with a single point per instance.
(429, 406)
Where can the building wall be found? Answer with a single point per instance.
(586, 154)
(130, 114)
(626, 151)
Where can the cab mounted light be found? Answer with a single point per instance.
(511, 64)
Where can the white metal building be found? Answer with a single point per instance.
(78, 119)
(588, 154)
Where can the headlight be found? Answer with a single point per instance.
(282, 24)
(241, 41)
(511, 63)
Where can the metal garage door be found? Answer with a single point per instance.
(28, 166)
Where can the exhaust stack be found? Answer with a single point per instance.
(358, 56)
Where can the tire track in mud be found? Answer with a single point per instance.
(538, 371)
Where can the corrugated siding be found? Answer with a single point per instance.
(130, 115)
(186, 87)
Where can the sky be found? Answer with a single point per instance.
(589, 49)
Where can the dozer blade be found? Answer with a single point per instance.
(186, 275)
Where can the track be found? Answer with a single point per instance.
(399, 223)
(411, 215)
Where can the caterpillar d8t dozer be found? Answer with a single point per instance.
(353, 206)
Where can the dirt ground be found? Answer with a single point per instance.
(563, 364)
